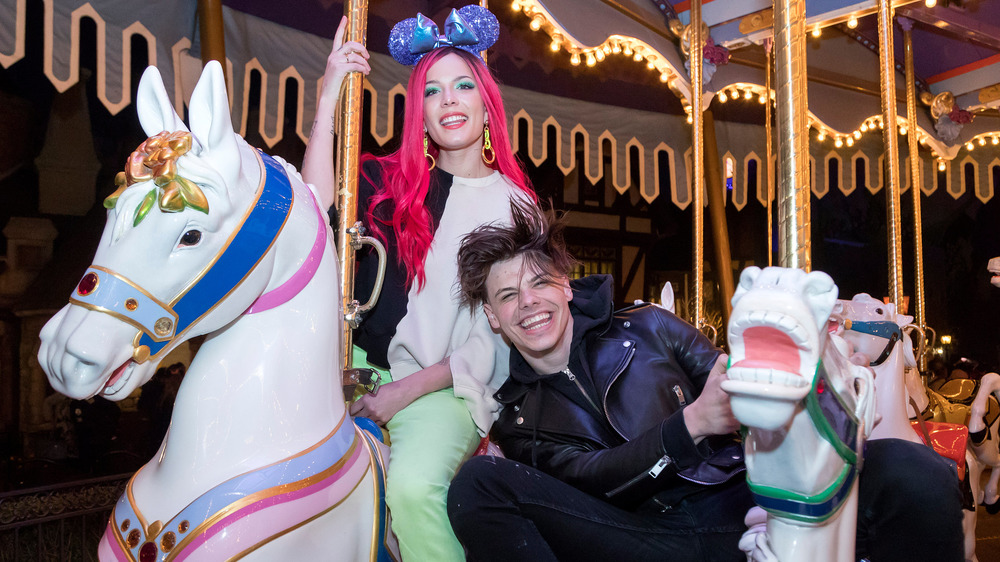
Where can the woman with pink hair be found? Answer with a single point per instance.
(454, 171)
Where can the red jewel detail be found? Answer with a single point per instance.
(87, 284)
(820, 386)
(148, 552)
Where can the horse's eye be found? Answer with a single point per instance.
(878, 311)
(191, 238)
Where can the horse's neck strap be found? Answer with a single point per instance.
(834, 420)
(302, 276)
(811, 508)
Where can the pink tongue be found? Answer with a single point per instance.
(117, 374)
(769, 348)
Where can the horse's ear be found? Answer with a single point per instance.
(211, 122)
(156, 113)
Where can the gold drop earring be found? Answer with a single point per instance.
(430, 158)
(487, 146)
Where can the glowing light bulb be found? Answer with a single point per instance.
(536, 22)
(599, 54)
(838, 143)
(864, 127)
(762, 99)
(996, 140)
(556, 43)
(627, 51)
(817, 31)
(902, 131)
(850, 141)
(591, 61)
(723, 98)
(982, 141)
(857, 134)
(940, 166)
(650, 65)
(574, 59)
(852, 22)
(515, 5)
(690, 119)
(748, 95)
(821, 136)
(606, 49)
(930, 3)
(664, 76)
(616, 48)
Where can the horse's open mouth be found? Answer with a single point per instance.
(771, 351)
(118, 378)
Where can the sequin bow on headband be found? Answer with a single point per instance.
(471, 28)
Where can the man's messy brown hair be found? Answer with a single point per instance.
(533, 233)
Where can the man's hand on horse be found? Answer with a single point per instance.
(711, 414)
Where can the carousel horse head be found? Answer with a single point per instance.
(874, 328)
(777, 332)
(807, 411)
(168, 266)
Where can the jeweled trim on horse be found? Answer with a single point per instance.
(836, 423)
(250, 243)
(273, 500)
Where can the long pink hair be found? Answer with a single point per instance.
(406, 179)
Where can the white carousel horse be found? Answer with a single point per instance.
(206, 235)
(808, 411)
(994, 267)
(876, 333)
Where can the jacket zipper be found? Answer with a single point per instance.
(664, 461)
(572, 377)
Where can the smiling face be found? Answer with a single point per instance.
(532, 310)
(454, 113)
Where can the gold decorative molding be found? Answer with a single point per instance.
(757, 21)
(989, 94)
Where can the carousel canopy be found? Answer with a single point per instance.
(606, 79)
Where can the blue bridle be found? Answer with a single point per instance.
(878, 328)
(162, 323)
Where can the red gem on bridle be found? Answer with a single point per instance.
(87, 284)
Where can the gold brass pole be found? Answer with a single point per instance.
(348, 155)
(887, 80)
(717, 215)
(794, 245)
(211, 32)
(915, 182)
(768, 68)
(698, 181)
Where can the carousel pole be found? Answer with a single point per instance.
(717, 215)
(211, 31)
(887, 75)
(915, 181)
(348, 155)
(794, 245)
(768, 68)
(698, 181)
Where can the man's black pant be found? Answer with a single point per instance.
(909, 508)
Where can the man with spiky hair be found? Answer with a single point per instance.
(595, 407)
(619, 439)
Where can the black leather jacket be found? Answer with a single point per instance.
(617, 430)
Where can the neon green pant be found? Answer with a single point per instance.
(430, 439)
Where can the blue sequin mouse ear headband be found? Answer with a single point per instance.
(471, 28)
